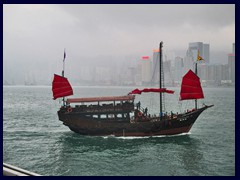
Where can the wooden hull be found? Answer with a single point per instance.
(84, 125)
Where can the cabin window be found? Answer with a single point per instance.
(131, 114)
(119, 116)
(103, 116)
(111, 116)
(95, 116)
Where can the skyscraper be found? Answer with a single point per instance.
(155, 66)
(206, 53)
(231, 64)
(178, 68)
(146, 70)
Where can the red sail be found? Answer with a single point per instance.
(137, 91)
(61, 87)
(191, 87)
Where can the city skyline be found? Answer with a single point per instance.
(145, 72)
(116, 36)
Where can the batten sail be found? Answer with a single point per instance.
(191, 87)
(61, 87)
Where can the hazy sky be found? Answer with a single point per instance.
(34, 36)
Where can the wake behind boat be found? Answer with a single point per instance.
(121, 116)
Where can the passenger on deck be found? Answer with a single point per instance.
(138, 105)
(145, 111)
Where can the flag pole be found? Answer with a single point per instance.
(199, 58)
(64, 56)
(196, 74)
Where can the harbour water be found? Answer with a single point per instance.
(34, 139)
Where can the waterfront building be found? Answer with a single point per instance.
(146, 67)
(178, 70)
(231, 67)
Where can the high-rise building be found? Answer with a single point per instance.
(167, 70)
(178, 72)
(146, 66)
(203, 71)
(225, 75)
(206, 53)
(188, 63)
(155, 64)
(231, 66)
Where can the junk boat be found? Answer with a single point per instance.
(120, 116)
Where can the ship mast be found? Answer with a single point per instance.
(160, 76)
(196, 74)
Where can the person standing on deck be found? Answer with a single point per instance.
(138, 105)
(145, 111)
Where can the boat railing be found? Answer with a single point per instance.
(10, 170)
(103, 107)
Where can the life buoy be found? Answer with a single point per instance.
(69, 110)
(139, 114)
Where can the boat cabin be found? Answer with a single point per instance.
(111, 107)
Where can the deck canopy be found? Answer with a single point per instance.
(100, 99)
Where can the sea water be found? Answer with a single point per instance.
(34, 139)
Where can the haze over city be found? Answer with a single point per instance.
(112, 36)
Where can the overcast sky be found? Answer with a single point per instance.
(36, 35)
